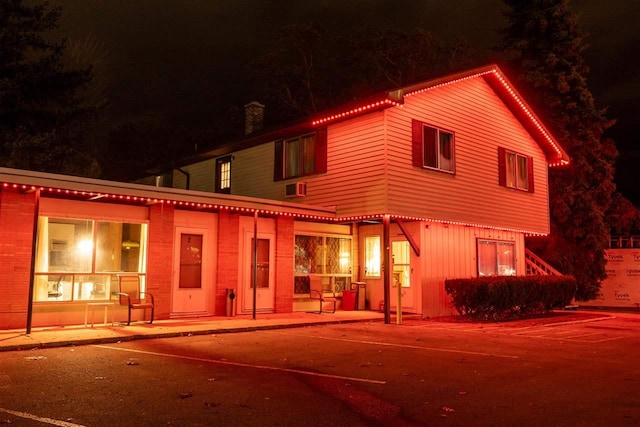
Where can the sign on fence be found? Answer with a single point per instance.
(621, 288)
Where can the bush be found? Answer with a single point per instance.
(502, 297)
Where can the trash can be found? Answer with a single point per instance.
(361, 294)
(348, 300)
(231, 304)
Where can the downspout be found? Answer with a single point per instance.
(188, 175)
(34, 242)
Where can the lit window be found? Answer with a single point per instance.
(78, 259)
(401, 255)
(223, 175)
(432, 147)
(324, 256)
(372, 256)
(515, 170)
(496, 258)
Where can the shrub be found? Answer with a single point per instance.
(502, 297)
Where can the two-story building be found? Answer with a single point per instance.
(442, 179)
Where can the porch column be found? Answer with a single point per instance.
(386, 267)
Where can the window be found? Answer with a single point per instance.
(300, 156)
(79, 259)
(515, 170)
(223, 175)
(401, 262)
(432, 147)
(372, 256)
(322, 255)
(496, 258)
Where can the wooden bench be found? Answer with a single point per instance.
(318, 292)
(130, 296)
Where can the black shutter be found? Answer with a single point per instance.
(530, 173)
(502, 167)
(321, 150)
(278, 161)
(416, 143)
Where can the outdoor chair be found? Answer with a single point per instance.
(317, 292)
(129, 295)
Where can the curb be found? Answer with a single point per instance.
(169, 334)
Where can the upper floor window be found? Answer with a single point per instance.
(432, 147)
(223, 175)
(515, 170)
(301, 155)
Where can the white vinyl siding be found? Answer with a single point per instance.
(200, 176)
(450, 251)
(252, 173)
(354, 181)
(355, 178)
(481, 123)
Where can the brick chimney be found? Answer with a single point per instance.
(253, 117)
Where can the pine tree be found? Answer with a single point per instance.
(544, 47)
(41, 101)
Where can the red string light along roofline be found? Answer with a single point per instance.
(363, 109)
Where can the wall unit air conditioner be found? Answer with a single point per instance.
(297, 189)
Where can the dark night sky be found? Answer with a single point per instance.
(185, 60)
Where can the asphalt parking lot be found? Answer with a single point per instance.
(361, 374)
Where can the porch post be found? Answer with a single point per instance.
(34, 242)
(255, 260)
(386, 267)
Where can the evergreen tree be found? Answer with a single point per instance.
(544, 47)
(41, 101)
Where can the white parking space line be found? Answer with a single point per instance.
(386, 344)
(243, 365)
(589, 341)
(40, 419)
(550, 331)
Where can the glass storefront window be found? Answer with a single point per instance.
(79, 259)
(322, 255)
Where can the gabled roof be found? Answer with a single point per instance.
(556, 156)
(492, 74)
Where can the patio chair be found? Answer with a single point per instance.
(129, 295)
(318, 292)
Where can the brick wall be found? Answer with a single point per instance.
(16, 239)
(160, 257)
(228, 259)
(284, 264)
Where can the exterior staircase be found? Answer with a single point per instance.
(537, 266)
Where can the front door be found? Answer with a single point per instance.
(401, 279)
(265, 286)
(191, 280)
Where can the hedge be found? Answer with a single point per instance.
(500, 297)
